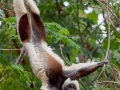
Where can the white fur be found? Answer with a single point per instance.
(36, 64)
(19, 8)
(32, 6)
(38, 60)
(49, 51)
(79, 66)
(69, 81)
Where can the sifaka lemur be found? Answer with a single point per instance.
(46, 65)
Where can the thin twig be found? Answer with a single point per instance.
(86, 39)
(9, 49)
(114, 26)
(102, 9)
(109, 82)
(82, 84)
(78, 24)
(104, 3)
(105, 9)
(93, 52)
(1, 6)
(58, 8)
(114, 15)
(6, 9)
(2, 79)
(63, 55)
(107, 85)
(100, 73)
(3, 3)
(61, 51)
(93, 6)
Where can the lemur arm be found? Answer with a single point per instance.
(37, 24)
(21, 13)
(82, 69)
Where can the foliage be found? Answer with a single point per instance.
(71, 31)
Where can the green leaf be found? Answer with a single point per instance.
(10, 19)
(1, 68)
(93, 16)
(82, 14)
(64, 32)
(98, 11)
(118, 39)
(18, 67)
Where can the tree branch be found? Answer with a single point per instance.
(78, 24)
(93, 6)
(63, 55)
(86, 39)
(1, 6)
(108, 18)
(114, 14)
(58, 8)
(9, 49)
(109, 82)
(109, 9)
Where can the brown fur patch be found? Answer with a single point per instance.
(55, 72)
(24, 28)
(83, 72)
(37, 23)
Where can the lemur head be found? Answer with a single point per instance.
(70, 85)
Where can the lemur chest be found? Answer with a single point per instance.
(41, 61)
(45, 61)
(48, 64)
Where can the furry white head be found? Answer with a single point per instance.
(70, 85)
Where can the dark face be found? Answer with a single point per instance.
(70, 87)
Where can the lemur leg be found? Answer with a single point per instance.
(22, 54)
(38, 30)
(31, 6)
(19, 8)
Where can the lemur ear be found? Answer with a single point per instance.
(83, 69)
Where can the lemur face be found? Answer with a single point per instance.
(70, 85)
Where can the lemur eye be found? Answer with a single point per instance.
(72, 86)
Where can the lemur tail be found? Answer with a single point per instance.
(28, 29)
